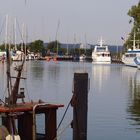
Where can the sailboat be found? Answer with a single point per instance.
(18, 117)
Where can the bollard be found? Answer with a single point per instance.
(80, 106)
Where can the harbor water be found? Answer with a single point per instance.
(113, 98)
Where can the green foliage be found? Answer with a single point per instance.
(37, 46)
(53, 47)
(134, 13)
(2, 47)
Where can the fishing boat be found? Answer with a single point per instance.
(129, 58)
(18, 116)
(101, 53)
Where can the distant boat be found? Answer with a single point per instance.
(17, 55)
(82, 57)
(101, 53)
(2, 56)
(129, 57)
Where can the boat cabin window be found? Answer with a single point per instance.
(101, 49)
(131, 55)
(103, 55)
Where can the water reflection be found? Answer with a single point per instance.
(100, 75)
(36, 69)
(53, 70)
(113, 99)
(133, 77)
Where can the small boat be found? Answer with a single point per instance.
(101, 53)
(82, 57)
(129, 58)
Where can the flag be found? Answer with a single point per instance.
(123, 38)
(130, 21)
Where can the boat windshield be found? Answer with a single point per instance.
(101, 49)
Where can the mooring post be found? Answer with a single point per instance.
(80, 106)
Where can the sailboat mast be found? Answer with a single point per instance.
(85, 44)
(6, 31)
(15, 37)
(134, 41)
(56, 36)
(67, 47)
(22, 36)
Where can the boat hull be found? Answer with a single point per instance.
(101, 59)
(129, 62)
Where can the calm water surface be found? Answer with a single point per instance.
(113, 99)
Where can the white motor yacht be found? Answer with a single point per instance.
(101, 53)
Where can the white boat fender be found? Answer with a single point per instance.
(10, 137)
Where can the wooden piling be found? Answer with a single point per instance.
(25, 126)
(80, 106)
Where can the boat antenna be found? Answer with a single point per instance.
(101, 42)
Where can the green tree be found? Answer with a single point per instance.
(53, 46)
(37, 46)
(2, 47)
(134, 13)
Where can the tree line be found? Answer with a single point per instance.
(53, 47)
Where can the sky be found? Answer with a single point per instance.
(70, 21)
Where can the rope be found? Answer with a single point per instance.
(64, 115)
(62, 131)
(72, 102)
